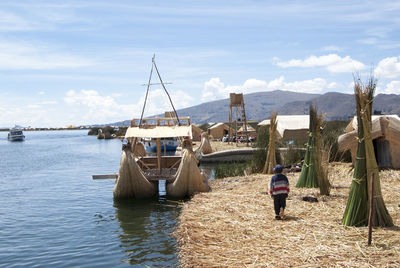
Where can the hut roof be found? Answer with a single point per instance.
(195, 128)
(219, 125)
(289, 122)
(387, 126)
(249, 129)
(353, 123)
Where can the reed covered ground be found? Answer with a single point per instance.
(234, 226)
(218, 146)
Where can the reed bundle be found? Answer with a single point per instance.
(311, 167)
(270, 162)
(234, 226)
(356, 212)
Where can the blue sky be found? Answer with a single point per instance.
(84, 62)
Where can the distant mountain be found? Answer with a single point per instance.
(333, 105)
(339, 106)
(259, 106)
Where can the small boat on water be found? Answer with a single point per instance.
(16, 134)
(167, 144)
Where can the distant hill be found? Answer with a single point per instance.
(339, 106)
(259, 106)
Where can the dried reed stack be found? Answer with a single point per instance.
(356, 212)
(270, 162)
(311, 166)
(323, 167)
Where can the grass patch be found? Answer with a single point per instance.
(230, 169)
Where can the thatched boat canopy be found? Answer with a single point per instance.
(385, 133)
(159, 132)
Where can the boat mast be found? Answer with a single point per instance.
(165, 89)
(162, 83)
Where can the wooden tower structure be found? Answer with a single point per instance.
(237, 115)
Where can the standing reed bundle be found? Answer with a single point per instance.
(311, 166)
(270, 162)
(356, 212)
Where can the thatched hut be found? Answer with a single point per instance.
(218, 131)
(291, 127)
(385, 134)
(196, 133)
(251, 132)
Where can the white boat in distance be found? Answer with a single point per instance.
(16, 134)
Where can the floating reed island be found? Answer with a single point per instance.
(234, 226)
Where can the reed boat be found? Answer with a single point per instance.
(140, 171)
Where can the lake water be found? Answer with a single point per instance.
(52, 214)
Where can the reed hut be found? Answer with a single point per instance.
(218, 131)
(385, 134)
(196, 133)
(251, 132)
(291, 127)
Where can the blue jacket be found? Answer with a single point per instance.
(279, 184)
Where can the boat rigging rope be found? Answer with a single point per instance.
(159, 76)
(147, 93)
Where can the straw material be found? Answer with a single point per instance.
(270, 162)
(131, 182)
(356, 213)
(205, 146)
(311, 167)
(188, 179)
(139, 149)
(234, 226)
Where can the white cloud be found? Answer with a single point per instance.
(92, 107)
(332, 48)
(48, 102)
(369, 41)
(12, 22)
(315, 85)
(215, 89)
(158, 102)
(332, 62)
(16, 56)
(254, 85)
(391, 88)
(388, 68)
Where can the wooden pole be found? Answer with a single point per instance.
(371, 211)
(158, 142)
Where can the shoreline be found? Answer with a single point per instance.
(234, 225)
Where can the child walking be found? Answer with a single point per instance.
(279, 190)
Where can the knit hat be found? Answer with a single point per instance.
(278, 169)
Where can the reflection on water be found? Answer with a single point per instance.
(146, 231)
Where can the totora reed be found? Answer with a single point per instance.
(234, 226)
